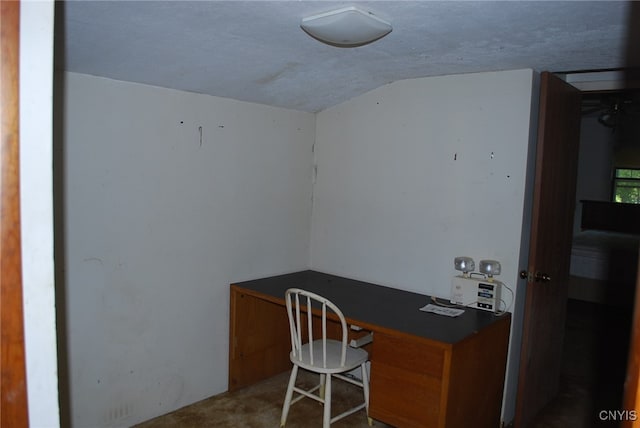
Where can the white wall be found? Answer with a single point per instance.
(409, 176)
(159, 221)
(36, 67)
(417, 172)
(595, 164)
(595, 160)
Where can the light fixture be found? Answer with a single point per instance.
(490, 268)
(464, 265)
(346, 27)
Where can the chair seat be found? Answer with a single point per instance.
(354, 357)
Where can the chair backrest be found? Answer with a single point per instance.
(300, 305)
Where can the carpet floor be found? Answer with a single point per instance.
(594, 363)
(260, 406)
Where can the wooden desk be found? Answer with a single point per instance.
(426, 370)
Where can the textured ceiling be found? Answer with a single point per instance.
(256, 51)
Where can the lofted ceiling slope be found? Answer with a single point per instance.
(256, 51)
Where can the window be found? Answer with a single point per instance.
(626, 186)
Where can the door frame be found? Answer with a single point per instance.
(14, 406)
(631, 399)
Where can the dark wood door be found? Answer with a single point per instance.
(550, 246)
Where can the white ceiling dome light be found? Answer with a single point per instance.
(346, 27)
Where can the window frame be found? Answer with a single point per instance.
(616, 179)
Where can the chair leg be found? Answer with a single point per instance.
(365, 390)
(288, 396)
(326, 421)
(323, 378)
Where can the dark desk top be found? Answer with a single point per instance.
(380, 306)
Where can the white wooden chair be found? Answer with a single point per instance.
(327, 357)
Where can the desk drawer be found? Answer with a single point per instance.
(406, 382)
(405, 354)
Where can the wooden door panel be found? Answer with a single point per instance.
(550, 246)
